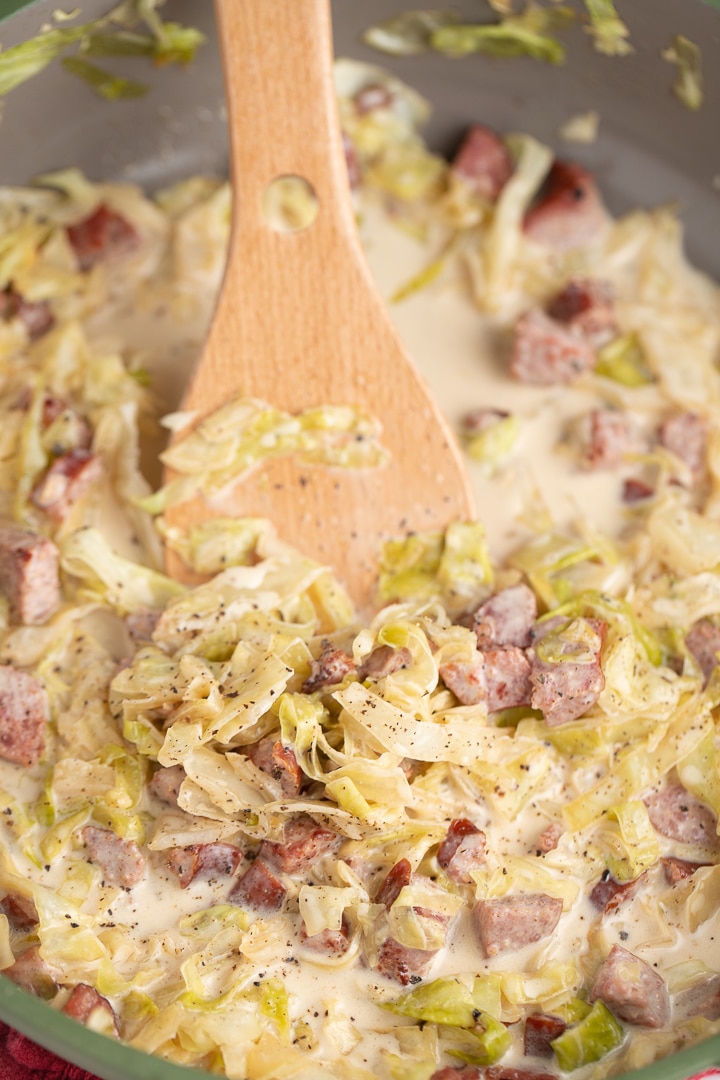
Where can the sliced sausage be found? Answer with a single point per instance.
(20, 910)
(507, 618)
(33, 973)
(587, 306)
(676, 870)
(607, 436)
(259, 889)
(632, 989)
(703, 642)
(24, 713)
(327, 942)
(549, 838)
(65, 482)
(607, 894)
(35, 315)
(329, 669)
(102, 235)
(397, 878)
(509, 923)
(565, 689)
(203, 862)
(165, 784)
(466, 679)
(303, 843)
(279, 761)
(483, 162)
(384, 661)
(507, 677)
(540, 1030)
(29, 575)
(570, 212)
(121, 861)
(403, 964)
(547, 353)
(463, 850)
(91, 1008)
(636, 490)
(685, 435)
(677, 814)
(372, 97)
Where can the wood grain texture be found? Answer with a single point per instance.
(299, 322)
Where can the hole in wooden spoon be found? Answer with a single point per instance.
(289, 204)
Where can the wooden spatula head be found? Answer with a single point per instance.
(299, 322)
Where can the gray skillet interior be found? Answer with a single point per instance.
(650, 149)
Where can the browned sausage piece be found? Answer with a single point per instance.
(304, 841)
(329, 669)
(396, 880)
(66, 481)
(540, 1030)
(203, 862)
(102, 235)
(507, 618)
(121, 860)
(483, 162)
(507, 678)
(279, 761)
(384, 661)
(685, 435)
(608, 894)
(570, 211)
(33, 973)
(677, 814)
(587, 306)
(632, 989)
(564, 689)
(371, 97)
(607, 435)
(548, 838)
(547, 353)
(165, 783)
(259, 889)
(20, 910)
(511, 922)
(463, 850)
(35, 315)
(29, 575)
(676, 870)
(327, 942)
(636, 490)
(465, 679)
(23, 715)
(83, 1005)
(403, 964)
(703, 641)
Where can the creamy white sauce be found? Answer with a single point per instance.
(454, 348)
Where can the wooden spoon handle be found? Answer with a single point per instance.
(272, 133)
(283, 121)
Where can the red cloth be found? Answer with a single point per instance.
(22, 1059)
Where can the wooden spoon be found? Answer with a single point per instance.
(299, 322)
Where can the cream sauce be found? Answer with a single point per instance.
(456, 350)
